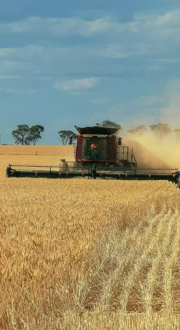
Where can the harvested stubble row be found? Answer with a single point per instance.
(84, 254)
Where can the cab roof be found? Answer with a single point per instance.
(96, 130)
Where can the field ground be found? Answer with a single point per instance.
(86, 254)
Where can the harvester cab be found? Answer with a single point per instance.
(100, 145)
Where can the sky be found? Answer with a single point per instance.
(80, 62)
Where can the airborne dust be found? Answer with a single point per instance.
(150, 152)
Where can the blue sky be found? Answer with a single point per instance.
(78, 62)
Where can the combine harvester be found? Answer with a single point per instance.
(98, 154)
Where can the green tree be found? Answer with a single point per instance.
(21, 135)
(26, 135)
(177, 132)
(138, 130)
(160, 130)
(35, 133)
(66, 135)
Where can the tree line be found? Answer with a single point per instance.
(26, 135)
(159, 130)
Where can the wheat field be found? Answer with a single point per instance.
(37, 150)
(88, 254)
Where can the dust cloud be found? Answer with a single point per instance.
(149, 152)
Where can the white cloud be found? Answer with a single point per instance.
(57, 26)
(75, 25)
(100, 25)
(5, 52)
(77, 85)
(144, 35)
(168, 19)
(113, 51)
(50, 53)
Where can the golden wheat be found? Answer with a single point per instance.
(38, 150)
(88, 254)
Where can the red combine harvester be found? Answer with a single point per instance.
(98, 153)
(100, 145)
